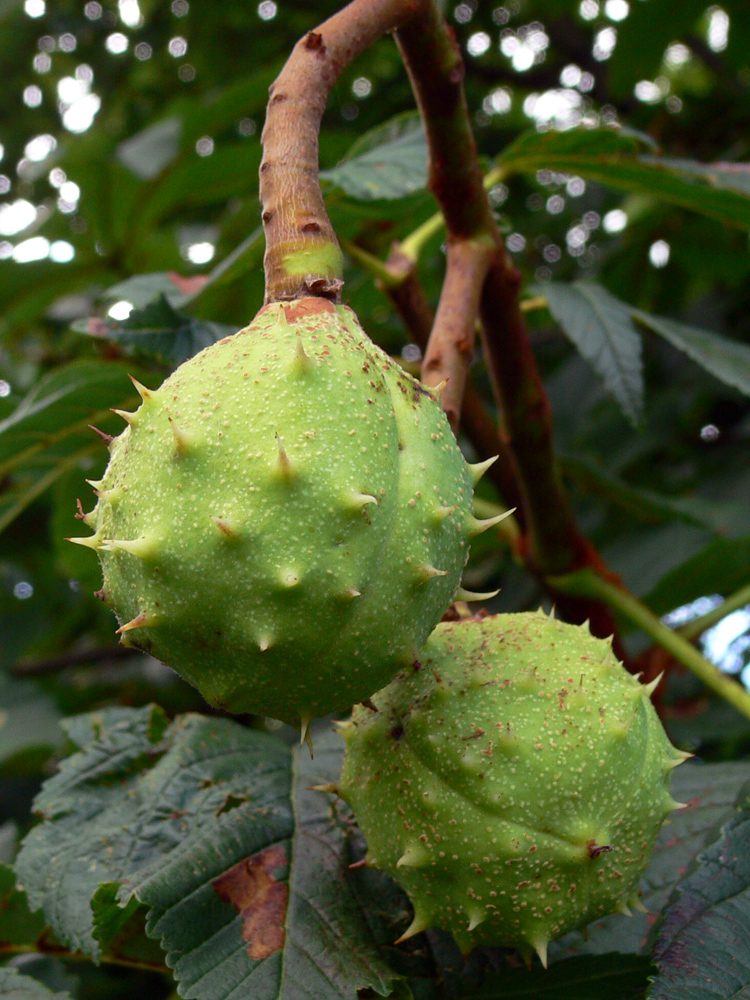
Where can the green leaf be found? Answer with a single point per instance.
(721, 567)
(59, 406)
(48, 433)
(599, 325)
(606, 977)
(148, 152)
(218, 111)
(646, 505)
(18, 925)
(245, 257)
(29, 725)
(201, 180)
(14, 986)
(710, 791)
(214, 829)
(160, 331)
(728, 360)
(142, 289)
(642, 38)
(710, 721)
(614, 158)
(702, 950)
(388, 162)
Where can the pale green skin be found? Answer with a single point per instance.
(330, 584)
(495, 771)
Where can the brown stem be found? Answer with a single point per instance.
(436, 70)
(36, 668)
(302, 253)
(412, 305)
(451, 345)
(526, 421)
(435, 67)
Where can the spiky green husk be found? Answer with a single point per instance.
(286, 519)
(513, 782)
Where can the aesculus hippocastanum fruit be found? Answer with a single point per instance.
(286, 518)
(513, 781)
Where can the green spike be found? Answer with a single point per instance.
(427, 572)
(469, 595)
(674, 804)
(332, 789)
(636, 903)
(90, 542)
(680, 759)
(540, 947)
(478, 469)
(415, 855)
(285, 467)
(88, 519)
(265, 641)
(289, 578)
(622, 907)
(648, 689)
(476, 917)
(355, 501)
(145, 619)
(506, 742)
(109, 495)
(305, 736)
(349, 594)
(142, 548)
(475, 526)
(619, 730)
(439, 514)
(127, 416)
(182, 440)
(345, 728)
(302, 362)
(143, 392)
(420, 923)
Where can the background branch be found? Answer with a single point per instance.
(553, 543)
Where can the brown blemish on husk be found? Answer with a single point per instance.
(307, 307)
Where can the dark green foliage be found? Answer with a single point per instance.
(647, 369)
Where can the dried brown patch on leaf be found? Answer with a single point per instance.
(250, 887)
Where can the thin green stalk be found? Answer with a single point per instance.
(586, 583)
(693, 629)
(39, 948)
(529, 305)
(39, 487)
(49, 440)
(413, 245)
(371, 263)
(415, 242)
